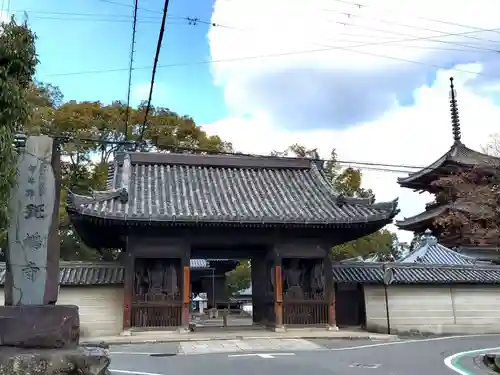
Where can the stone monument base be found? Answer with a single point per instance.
(44, 340)
(39, 326)
(84, 361)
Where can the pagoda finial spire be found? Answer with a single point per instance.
(455, 120)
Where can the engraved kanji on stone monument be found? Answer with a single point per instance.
(32, 206)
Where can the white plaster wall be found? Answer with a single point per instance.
(100, 308)
(436, 309)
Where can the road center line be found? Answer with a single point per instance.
(452, 362)
(260, 355)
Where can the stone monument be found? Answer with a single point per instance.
(36, 335)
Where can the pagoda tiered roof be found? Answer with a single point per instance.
(458, 155)
(456, 158)
(424, 220)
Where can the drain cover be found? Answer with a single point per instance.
(163, 354)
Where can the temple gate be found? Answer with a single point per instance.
(281, 213)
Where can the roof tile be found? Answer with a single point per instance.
(295, 193)
(431, 252)
(373, 273)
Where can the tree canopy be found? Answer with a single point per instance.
(18, 61)
(84, 163)
(239, 278)
(348, 181)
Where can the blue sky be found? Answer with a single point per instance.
(89, 35)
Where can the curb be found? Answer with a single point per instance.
(236, 337)
(492, 361)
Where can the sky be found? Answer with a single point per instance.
(368, 78)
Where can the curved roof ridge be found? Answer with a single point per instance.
(458, 153)
(390, 206)
(432, 252)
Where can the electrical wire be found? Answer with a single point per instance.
(382, 167)
(359, 5)
(352, 15)
(283, 54)
(153, 74)
(388, 10)
(131, 68)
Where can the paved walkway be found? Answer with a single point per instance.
(234, 346)
(291, 334)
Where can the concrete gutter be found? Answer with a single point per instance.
(165, 338)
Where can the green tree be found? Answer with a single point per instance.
(240, 278)
(348, 182)
(84, 164)
(18, 61)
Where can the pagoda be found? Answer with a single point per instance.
(458, 158)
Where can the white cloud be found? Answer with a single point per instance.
(415, 135)
(4, 17)
(348, 98)
(325, 88)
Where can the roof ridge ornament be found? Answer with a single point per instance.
(455, 119)
(428, 238)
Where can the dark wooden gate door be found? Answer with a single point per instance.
(157, 299)
(349, 305)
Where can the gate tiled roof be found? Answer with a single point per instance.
(224, 189)
(373, 273)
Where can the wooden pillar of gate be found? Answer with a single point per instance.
(278, 293)
(128, 289)
(186, 292)
(330, 291)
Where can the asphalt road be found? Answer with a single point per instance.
(339, 357)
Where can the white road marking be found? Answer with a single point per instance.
(450, 361)
(261, 355)
(134, 372)
(411, 341)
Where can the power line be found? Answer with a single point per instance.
(176, 21)
(155, 65)
(388, 10)
(361, 165)
(131, 68)
(193, 21)
(352, 15)
(293, 53)
(351, 163)
(359, 5)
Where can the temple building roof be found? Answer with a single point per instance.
(457, 155)
(425, 219)
(430, 251)
(197, 189)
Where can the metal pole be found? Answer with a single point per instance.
(387, 310)
(213, 288)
